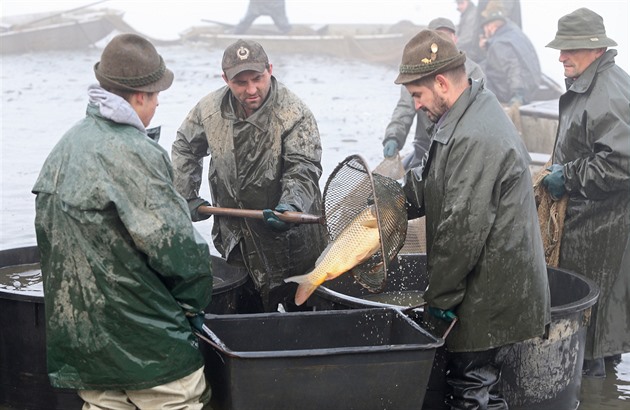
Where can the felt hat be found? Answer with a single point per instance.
(131, 63)
(581, 29)
(428, 53)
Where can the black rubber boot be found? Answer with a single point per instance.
(595, 368)
(474, 378)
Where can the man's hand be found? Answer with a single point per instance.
(193, 207)
(196, 320)
(554, 181)
(390, 148)
(273, 222)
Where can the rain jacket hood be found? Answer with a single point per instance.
(119, 255)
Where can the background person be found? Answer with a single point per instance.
(405, 110)
(257, 8)
(485, 256)
(592, 166)
(265, 153)
(123, 268)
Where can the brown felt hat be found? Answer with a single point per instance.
(428, 53)
(582, 29)
(131, 63)
(244, 55)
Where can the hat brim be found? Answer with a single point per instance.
(575, 43)
(160, 85)
(408, 77)
(234, 71)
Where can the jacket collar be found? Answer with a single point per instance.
(113, 107)
(581, 84)
(449, 122)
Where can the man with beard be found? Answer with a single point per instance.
(485, 257)
(592, 166)
(265, 153)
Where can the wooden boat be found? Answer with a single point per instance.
(57, 31)
(368, 42)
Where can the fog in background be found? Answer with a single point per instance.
(167, 19)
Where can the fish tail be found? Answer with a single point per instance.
(305, 288)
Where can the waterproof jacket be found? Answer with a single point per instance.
(593, 143)
(511, 66)
(271, 157)
(119, 255)
(485, 256)
(404, 114)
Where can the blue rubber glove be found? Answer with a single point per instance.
(193, 205)
(390, 148)
(273, 222)
(554, 182)
(446, 315)
(196, 320)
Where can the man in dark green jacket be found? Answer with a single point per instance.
(592, 166)
(485, 257)
(126, 276)
(265, 153)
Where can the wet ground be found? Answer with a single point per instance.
(44, 94)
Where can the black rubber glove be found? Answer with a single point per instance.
(193, 205)
(273, 222)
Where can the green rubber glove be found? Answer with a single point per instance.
(554, 182)
(446, 315)
(193, 205)
(390, 148)
(273, 222)
(196, 320)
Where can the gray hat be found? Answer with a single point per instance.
(131, 63)
(242, 56)
(582, 29)
(442, 23)
(428, 53)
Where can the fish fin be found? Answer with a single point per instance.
(297, 279)
(370, 223)
(304, 291)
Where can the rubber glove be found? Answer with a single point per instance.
(554, 181)
(390, 148)
(196, 320)
(446, 315)
(193, 205)
(273, 222)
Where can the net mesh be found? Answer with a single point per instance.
(350, 189)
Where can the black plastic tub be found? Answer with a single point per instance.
(541, 373)
(352, 359)
(23, 378)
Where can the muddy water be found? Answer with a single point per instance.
(44, 94)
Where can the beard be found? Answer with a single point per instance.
(439, 108)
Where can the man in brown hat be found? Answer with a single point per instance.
(126, 276)
(485, 256)
(405, 110)
(265, 153)
(592, 166)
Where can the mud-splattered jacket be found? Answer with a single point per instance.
(485, 257)
(593, 143)
(271, 157)
(118, 256)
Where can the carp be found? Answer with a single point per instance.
(358, 241)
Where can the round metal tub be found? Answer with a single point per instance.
(544, 373)
(23, 377)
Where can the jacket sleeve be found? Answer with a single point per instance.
(608, 170)
(187, 153)
(302, 153)
(402, 119)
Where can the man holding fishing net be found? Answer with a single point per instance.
(485, 256)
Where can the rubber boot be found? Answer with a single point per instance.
(474, 378)
(595, 368)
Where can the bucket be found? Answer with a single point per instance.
(23, 377)
(541, 373)
(353, 359)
